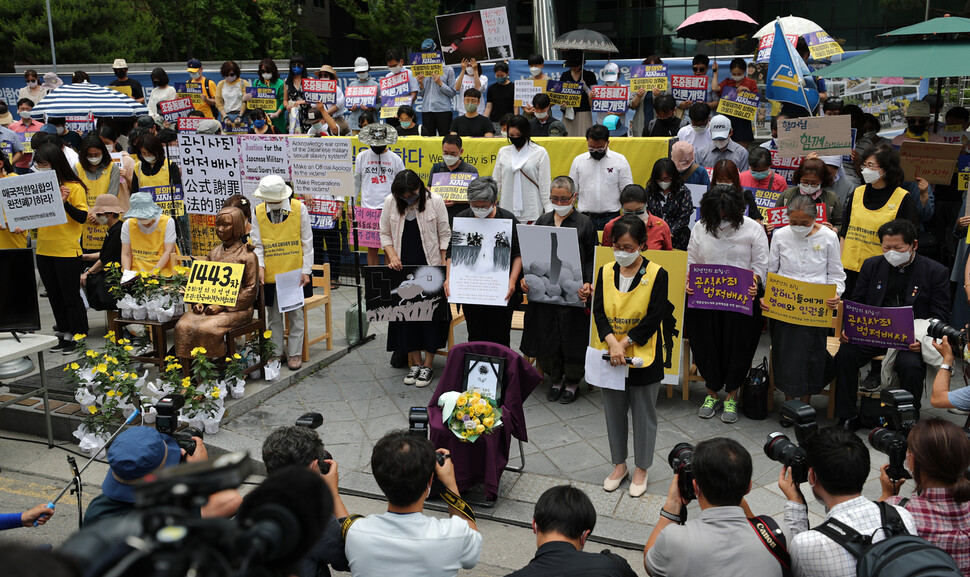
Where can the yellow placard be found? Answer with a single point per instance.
(427, 69)
(389, 112)
(648, 84)
(797, 302)
(126, 90)
(214, 283)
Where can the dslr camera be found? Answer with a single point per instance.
(313, 421)
(779, 447)
(680, 458)
(956, 338)
(892, 441)
(168, 408)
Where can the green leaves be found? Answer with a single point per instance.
(392, 23)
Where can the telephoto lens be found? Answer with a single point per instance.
(779, 448)
(893, 445)
(957, 339)
(679, 459)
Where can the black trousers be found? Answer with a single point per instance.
(62, 279)
(436, 123)
(488, 323)
(850, 358)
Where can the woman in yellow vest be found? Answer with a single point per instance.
(147, 237)
(100, 176)
(628, 307)
(59, 249)
(161, 178)
(16, 238)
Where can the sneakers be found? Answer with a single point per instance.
(412, 375)
(730, 413)
(707, 410)
(61, 343)
(425, 376)
(871, 383)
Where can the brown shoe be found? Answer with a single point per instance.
(295, 362)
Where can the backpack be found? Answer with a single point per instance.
(754, 394)
(898, 555)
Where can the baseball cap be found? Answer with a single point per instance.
(135, 453)
(119, 63)
(919, 108)
(49, 129)
(209, 126)
(428, 45)
(193, 65)
(145, 122)
(682, 153)
(610, 72)
(313, 114)
(720, 127)
(361, 64)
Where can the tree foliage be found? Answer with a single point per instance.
(205, 29)
(401, 24)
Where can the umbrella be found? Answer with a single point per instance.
(909, 59)
(85, 98)
(583, 39)
(791, 25)
(944, 25)
(716, 23)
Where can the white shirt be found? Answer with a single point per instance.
(373, 175)
(536, 171)
(815, 258)
(413, 544)
(746, 247)
(698, 141)
(170, 236)
(319, 129)
(160, 95)
(232, 95)
(468, 81)
(306, 238)
(599, 182)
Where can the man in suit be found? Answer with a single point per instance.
(898, 278)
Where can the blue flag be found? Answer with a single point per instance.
(786, 74)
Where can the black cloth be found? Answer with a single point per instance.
(75, 213)
(753, 211)
(876, 198)
(409, 131)
(801, 361)
(742, 130)
(62, 279)
(111, 247)
(666, 127)
(561, 559)
(541, 128)
(589, 78)
(851, 358)
(329, 246)
(409, 336)
(136, 90)
(436, 123)
(327, 553)
(477, 126)
(723, 344)
(649, 324)
(502, 99)
(442, 167)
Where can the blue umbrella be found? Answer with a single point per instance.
(82, 99)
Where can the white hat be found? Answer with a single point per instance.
(610, 72)
(720, 127)
(361, 64)
(119, 63)
(272, 188)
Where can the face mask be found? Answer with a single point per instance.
(562, 210)
(724, 183)
(450, 160)
(721, 144)
(469, 70)
(624, 258)
(897, 258)
(502, 79)
(737, 78)
(121, 73)
(148, 159)
(471, 107)
(25, 114)
(94, 160)
(195, 75)
(597, 154)
(405, 124)
(663, 185)
(297, 70)
(699, 129)
(869, 175)
(154, 83)
(396, 69)
(906, 465)
(800, 231)
(542, 115)
(411, 200)
(760, 175)
(916, 129)
(62, 130)
(378, 149)
(362, 76)
(41, 168)
(145, 225)
(809, 190)
(611, 82)
(276, 205)
(266, 76)
(231, 78)
(102, 220)
(259, 123)
(481, 212)
(724, 224)
(535, 70)
(32, 83)
(518, 141)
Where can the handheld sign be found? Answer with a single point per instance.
(738, 102)
(426, 63)
(648, 77)
(368, 229)
(721, 288)
(797, 302)
(933, 161)
(824, 135)
(610, 98)
(564, 93)
(890, 327)
(189, 124)
(452, 186)
(214, 283)
(126, 90)
(767, 41)
(191, 90)
(172, 110)
(32, 201)
(779, 216)
(360, 96)
(525, 91)
(262, 97)
(395, 86)
(689, 88)
(764, 199)
(822, 46)
(320, 90)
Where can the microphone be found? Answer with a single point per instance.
(635, 362)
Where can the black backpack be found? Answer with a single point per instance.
(898, 555)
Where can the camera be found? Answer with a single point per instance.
(779, 447)
(680, 458)
(418, 422)
(956, 338)
(166, 423)
(313, 421)
(902, 417)
(801, 418)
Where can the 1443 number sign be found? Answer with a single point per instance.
(214, 283)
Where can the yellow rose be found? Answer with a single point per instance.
(267, 334)
(102, 368)
(476, 397)
(460, 415)
(488, 422)
(462, 399)
(480, 429)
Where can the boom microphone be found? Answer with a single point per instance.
(635, 362)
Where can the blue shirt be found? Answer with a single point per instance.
(10, 142)
(438, 98)
(960, 398)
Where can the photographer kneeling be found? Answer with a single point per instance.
(731, 542)
(942, 397)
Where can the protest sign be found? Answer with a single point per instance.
(81, 124)
(481, 258)
(117, 158)
(778, 217)
(414, 293)
(168, 197)
(689, 88)
(190, 124)
(426, 63)
(525, 91)
(126, 90)
(481, 34)
(202, 230)
(214, 283)
(797, 302)
(648, 77)
(963, 176)
(890, 327)
(821, 46)
(262, 155)
(324, 211)
(210, 171)
(191, 90)
(395, 91)
(25, 138)
(609, 98)
(360, 96)
(452, 186)
(824, 135)
(498, 37)
(368, 227)
(172, 110)
(721, 288)
(933, 161)
(261, 97)
(564, 93)
(320, 90)
(786, 167)
(767, 41)
(551, 264)
(765, 199)
(32, 200)
(738, 102)
(322, 166)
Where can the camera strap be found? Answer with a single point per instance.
(773, 539)
(346, 523)
(457, 503)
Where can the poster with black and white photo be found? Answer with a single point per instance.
(481, 257)
(414, 293)
(480, 34)
(551, 263)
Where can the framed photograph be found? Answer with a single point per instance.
(485, 373)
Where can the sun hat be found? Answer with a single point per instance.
(143, 207)
(273, 188)
(209, 126)
(105, 203)
(119, 63)
(135, 453)
(682, 153)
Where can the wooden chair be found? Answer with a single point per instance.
(832, 345)
(158, 332)
(315, 301)
(182, 260)
(688, 373)
(456, 319)
(257, 325)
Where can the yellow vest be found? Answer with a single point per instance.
(92, 237)
(159, 183)
(147, 249)
(861, 239)
(626, 310)
(282, 246)
(64, 240)
(9, 239)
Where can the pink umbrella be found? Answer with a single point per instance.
(716, 23)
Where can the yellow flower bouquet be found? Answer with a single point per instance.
(469, 415)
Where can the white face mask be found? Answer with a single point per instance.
(505, 134)
(195, 75)
(535, 70)
(362, 76)
(267, 76)
(800, 231)
(41, 168)
(869, 175)
(724, 224)
(663, 185)
(542, 115)
(276, 205)
(32, 83)
(897, 258)
(148, 159)
(62, 130)
(737, 78)
(481, 212)
(94, 160)
(102, 220)
(469, 70)
(231, 78)
(724, 183)
(699, 129)
(562, 210)
(396, 69)
(450, 160)
(624, 258)
(146, 225)
(721, 144)
(809, 190)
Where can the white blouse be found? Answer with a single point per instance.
(814, 258)
(745, 247)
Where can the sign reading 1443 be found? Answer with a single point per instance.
(214, 283)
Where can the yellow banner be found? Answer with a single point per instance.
(797, 302)
(214, 283)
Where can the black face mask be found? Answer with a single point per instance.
(597, 154)
(916, 127)
(518, 141)
(121, 73)
(378, 149)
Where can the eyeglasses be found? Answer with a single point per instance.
(591, 149)
(627, 248)
(700, 69)
(561, 200)
(871, 166)
(637, 212)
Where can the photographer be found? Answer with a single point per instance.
(301, 446)
(733, 547)
(937, 457)
(141, 451)
(403, 541)
(942, 397)
(838, 466)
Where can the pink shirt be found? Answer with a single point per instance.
(774, 182)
